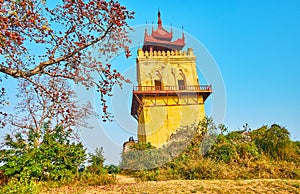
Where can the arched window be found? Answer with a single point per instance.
(181, 80)
(158, 81)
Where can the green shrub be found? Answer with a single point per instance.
(96, 161)
(224, 152)
(141, 146)
(113, 169)
(275, 143)
(20, 186)
(48, 155)
(248, 151)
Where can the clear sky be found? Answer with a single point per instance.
(256, 46)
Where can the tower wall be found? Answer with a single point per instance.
(167, 65)
(158, 123)
(160, 116)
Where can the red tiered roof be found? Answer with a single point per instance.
(160, 39)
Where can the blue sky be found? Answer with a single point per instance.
(256, 45)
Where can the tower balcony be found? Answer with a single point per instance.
(189, 93)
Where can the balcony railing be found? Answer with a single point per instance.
(195, 88)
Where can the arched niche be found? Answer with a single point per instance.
(158, 80)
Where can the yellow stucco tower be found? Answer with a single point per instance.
(168, 94)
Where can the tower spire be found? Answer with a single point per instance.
(161, 39)
(146, 31)
(152, 27)
(159, 22)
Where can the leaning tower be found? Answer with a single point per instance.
(168, 95)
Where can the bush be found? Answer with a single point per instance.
(275, 143)
(55, 157)
(96, 161)
(113, 169)
(224, 152)
(20, 186)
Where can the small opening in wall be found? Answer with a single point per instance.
(157, 84)
(181, 84)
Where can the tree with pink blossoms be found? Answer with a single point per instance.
(47, 46)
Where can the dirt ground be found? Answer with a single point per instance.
(129, 185)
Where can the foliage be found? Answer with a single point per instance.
(56, 157)
(243, 154)
(96, 161)
(275, 142)
(141, 146)
(297, 145)
(233, 146)
(143, 159)
(20, 187)
(46, 46)
(97, 158)
(225, 152)
(113, 169)
(31, 186)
